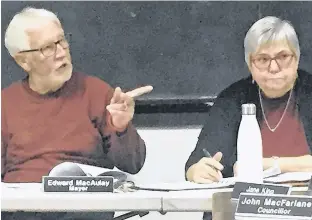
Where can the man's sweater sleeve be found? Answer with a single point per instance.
(4, 137)
(3, 152)
(219, 133)
(126, 149)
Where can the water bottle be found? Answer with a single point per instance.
(249, 147)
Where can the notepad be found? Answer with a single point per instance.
(290, 177)
(186, 185)
(270, 176)
(24, 186)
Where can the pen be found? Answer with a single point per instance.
(207, 154)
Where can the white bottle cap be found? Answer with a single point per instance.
(248, 109)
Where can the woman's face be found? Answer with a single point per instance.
(274, 68)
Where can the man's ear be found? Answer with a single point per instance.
(22, 61)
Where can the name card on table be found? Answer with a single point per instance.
(243, 187)
(260, 206)
(78, 184)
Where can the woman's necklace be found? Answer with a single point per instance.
(265, 119)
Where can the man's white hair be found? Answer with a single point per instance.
(269, 30)
(16, 38)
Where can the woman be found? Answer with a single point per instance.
(283, 96)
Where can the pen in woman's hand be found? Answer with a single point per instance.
(207, 154)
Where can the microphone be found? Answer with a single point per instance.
(67, 169)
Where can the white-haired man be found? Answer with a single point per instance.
(283, 96)
(54, 114)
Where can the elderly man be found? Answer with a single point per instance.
(283, 96)
(54, 114)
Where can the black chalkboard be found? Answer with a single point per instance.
(183, 49)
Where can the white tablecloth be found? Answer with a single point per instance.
(30, 197)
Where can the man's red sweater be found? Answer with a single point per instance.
(72, 124)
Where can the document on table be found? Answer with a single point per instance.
(290, 177)
(270, 176)
(186, 185)
(20, 185)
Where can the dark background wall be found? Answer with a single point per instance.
(186, 50)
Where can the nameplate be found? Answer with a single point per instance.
(262, 206)
(78, 184)
(267, 188)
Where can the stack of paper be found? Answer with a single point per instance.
(290, 177)
(269, 177)
(31, 186)
(186, 185)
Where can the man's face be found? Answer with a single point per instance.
(275, 77)
(52, 68)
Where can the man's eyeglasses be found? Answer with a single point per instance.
(50, 49)
(263, 61)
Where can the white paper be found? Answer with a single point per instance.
(289, 177)
(273, 171)
(20, 185)
(272, 177)
(187, 185)
(93, 170)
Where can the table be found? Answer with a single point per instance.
(30, 197)
(190, 200)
